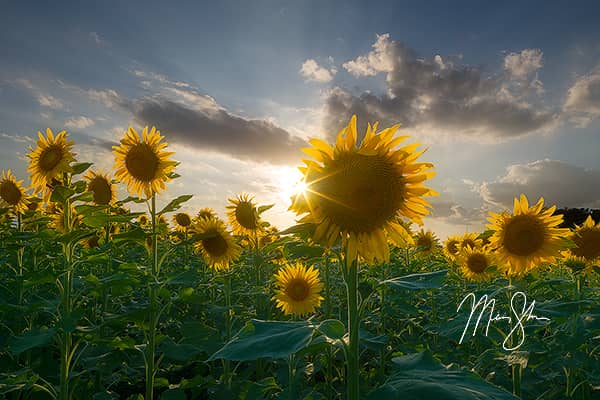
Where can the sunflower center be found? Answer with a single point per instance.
(524, 235)
(588, 244)
(50, 157)
(101, 190)
(452, 247)
(358, 192)
(245, 215)
(477, 263)
(215, 246)
(183, 219)
(468, 242)
(10, 193)
(297, 289)
(424, 242)
(142, 162)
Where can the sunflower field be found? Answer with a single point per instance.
(107, 298)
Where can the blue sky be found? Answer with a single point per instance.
(505, 95)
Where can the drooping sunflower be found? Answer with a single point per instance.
(426, 242)
(527, 238)
(142, 163)
(182, 222)
(298, 289)
(57, 218)
(12, 193)
(217, 246)
(206, 213)
(51, 158)
(243, 215)
(474, 263)
(143, 220)
(587, 241)
(101, 187)
(360, 193)
(452, 247)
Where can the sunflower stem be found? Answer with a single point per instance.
(151, 345)
(352, 352)
(67, 284)
(291, 377)
(516, 370)
(227, 289)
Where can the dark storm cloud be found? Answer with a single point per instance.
(434, 93)
(219, 131)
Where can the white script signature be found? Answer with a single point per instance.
(517, 330)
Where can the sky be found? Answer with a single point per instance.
(505, 96)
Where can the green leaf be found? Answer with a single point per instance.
(175, 204)
(266, 339)
(332, 328)
(60, 194)
(173, 394)
(299, 229)
(134, 235)
(29, 340)
(420, 376)
(428, 280)
(264, 208)
(85, 197)
(80, 168)
(75, 236)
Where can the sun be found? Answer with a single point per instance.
(289, 182)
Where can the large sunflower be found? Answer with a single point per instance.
(101, 187)
(217, 246)
(527, 238)
(298, 289)
(243, 215)
(50, 159)
(360, 193)
(12, 193)
(182, 222)
(475, 262)
(587, 241)
(142, 163)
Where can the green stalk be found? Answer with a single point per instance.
(151, 345)
(352, 350)
(291, 377)
(516, 370)
(67, 284)
(327, 288)
(227, 288)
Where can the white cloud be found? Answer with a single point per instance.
(522, 65)
(583, 99)
(97, 39)
(312, 71)
(110, 98)
(559, 183)
(378, 60)
(50, 101)
(81, 122)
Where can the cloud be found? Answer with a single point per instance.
(110, 98)
(219, 131)
(583, 99)
(440, 95)
(312, 71)
(559, 183)
(97, 39)
(49, 101)
(522, 65)
(448, 211)
(81, 122)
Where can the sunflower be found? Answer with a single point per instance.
(142, 163)
(101, 187)
(57, 218)
(527, 238)
(143, 220)
(50, 159)
(452, 247)
(216, 244)
(243, 215)
(426, 242)
(587, 240)
(12, 193)
(182, 221)
(298, 289)
(360, 193)
(206, 213)
(470, 240)
(474, 263)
